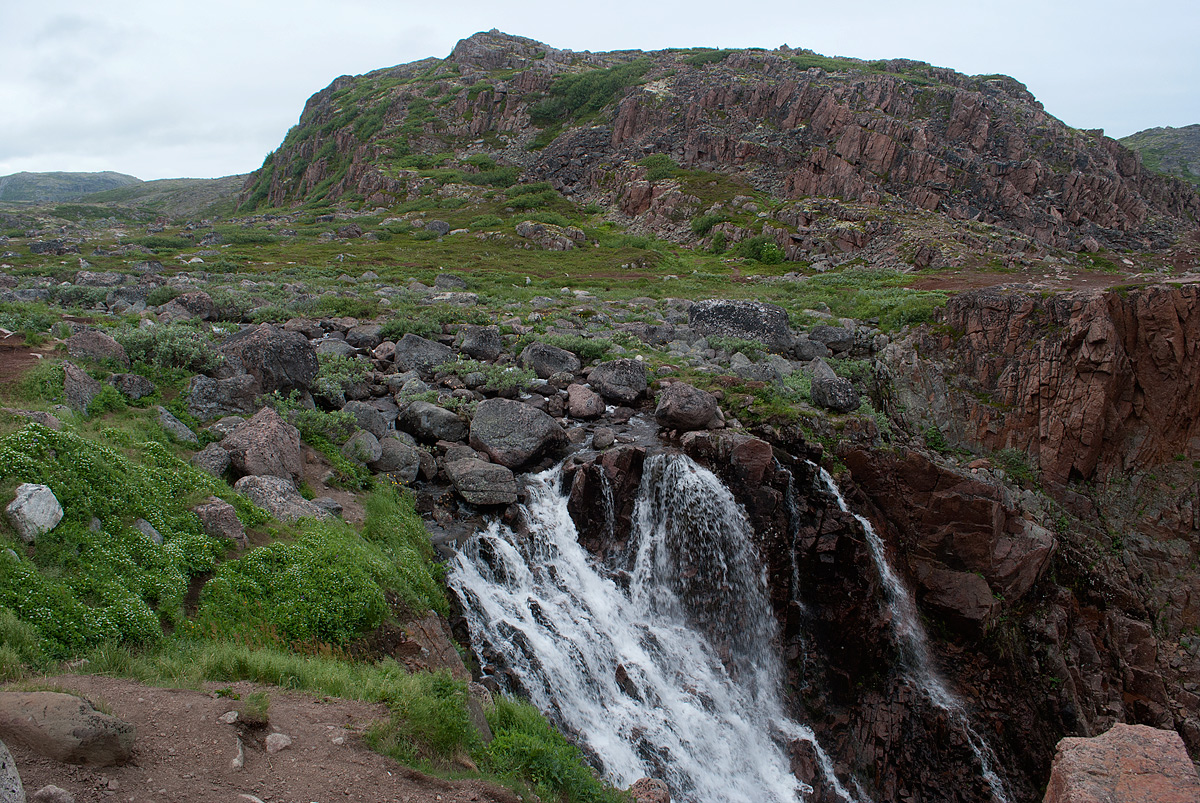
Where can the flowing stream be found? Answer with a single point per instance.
(666, 670)
(915, 647)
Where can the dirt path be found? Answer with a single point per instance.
(183, 752)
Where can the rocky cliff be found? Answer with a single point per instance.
(662, 138)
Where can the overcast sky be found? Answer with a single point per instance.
(168, 89)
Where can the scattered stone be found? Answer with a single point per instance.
(277, 359)
(584, 403)
(78, 387)
(621, 381)
(278, 497)
(683, 407)
(430, 423)
(52, 794)
(602, 438)
(266, 445)
(210, 398)
(65, 728)
(448, 281)
(362, 447)
(34, 512)
(439, 227)
(176, 428)
(212, 459)
(415, 353)
(1127, 764)
(219, 520)
(482, 483)
(748, 320)
(147, 529)
(545, 361)
(276, 742)
(132, 386)
(92, 344)
(513, 434)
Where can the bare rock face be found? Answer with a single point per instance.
(482, 483)
(65, 728)
(747, 320)
(265, 445)
(277, 359)
(686, 408)
(34, 511)
(1128, 764)
(513, 434)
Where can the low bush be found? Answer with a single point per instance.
(170, 346)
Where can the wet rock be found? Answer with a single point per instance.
(546, 361)
(683, 407)
(964, 598)
(34, 511)
(602, 438)
(415, 353)
(219, 520)
(1127, 764)
(265, 445)
(430, 423)
(132, 386)
(78, 387)
(210, 398)
(584, 403)
(278, 497)
(748, 320)
(621, 381)
(92, 344)
(513, 434)
(65, 728)
(482, 483)
(480, 342)
(277, 359)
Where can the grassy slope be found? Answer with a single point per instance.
(1173, 151)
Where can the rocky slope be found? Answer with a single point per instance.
(899, 136)
(43, 187)
(1171, 151)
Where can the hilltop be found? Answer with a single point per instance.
(1170, 151)
(47, 187)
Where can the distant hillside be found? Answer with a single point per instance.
(48, 187)
(1171, 151)
(175, 197)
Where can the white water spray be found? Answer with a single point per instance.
(915, 646)
(675, 677)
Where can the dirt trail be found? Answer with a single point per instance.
(183, 752)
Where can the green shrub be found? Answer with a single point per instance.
(108, 400)
(162, 242)
(422, 234)
(42, 382)
(496, 377)
(703, 224)
(580, 95)
(659, 166)
(429, 721)
(1017, 465)
(534, 200)
(249, 237)
(170, 346)
(337, 373)
(751, 348)
(161, 295)
(394, 527)
(761, 248)
(706, 56)
(585, 348)
(935, 440)
(486, 222)
(26, 317)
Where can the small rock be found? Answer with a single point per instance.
(176, 428)
(147, 529)
(35, 511)
(52, 794)
(229, 717)
(603, 438)
(277, 741)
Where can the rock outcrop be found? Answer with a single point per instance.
(1128, 764)
(65, 728)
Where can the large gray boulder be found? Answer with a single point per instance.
(513, 434)
(65, 728)
(265, 445)
(430, 423)
(546, 361)
(365, 336)
(748, 320)
(832, 391)
(212, 459)
(279, 498)
(34, 512)
(368, 417)
(398, 460)
(79, 388)
(278, 360)
(219, 520)
(482, 343)
(686, 408)
(362, 447)
(415, 353)
(835, 338)
(621, 381)
(482, 483)
(11, 790)
(210, 398)
(92, 344)
(132, 386)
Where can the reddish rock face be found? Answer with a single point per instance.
(1128, 764)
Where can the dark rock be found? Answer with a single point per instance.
(482, 483)
(176, 428)
(621, 381)
(430, 423)
(602, 438)
(11, 790)
(365, 336)
(584, 403)
(219, 520)
(804, 349)
(835, 338)
(367, 417)
(198, 304)
(398, 460)
(65, 728)
(278, 360)
(749, 320)
(449, 281)
(132, 386)
(362, 447)
(481, 342)
(684, 407)
(210, 398)
(545, 361)
(266, 445)
(415, 353)
(212, 459)
(335, 346)
(92, 344)
(78, 387)
(514, 434)
(439, 227)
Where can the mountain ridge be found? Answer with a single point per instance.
(59, 185)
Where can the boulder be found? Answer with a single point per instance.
(448, 281)
(132, 386)
(482, 483)
(964, 598)
(210, 398)
(545, 361)
(265, 445)
(278, 497)
(212, 459)
(219, 520)
(277, 359)
(480, 342)
(836, 394)
(748, 320)
(362, 447)
(176, 428)
(368, 418)
(649, 790)
(686, 408)
(804, 349)
(78, 387)
(430, 423)
(92, 344)
(415, 353)
(1127, 764)
(11, 790)
(583, 402)
(620, 381)
(52, 794)
(365, 336)
(439, 227)
(65, 728)
(34, 512)
(335, 346)
(398, 460)
(513, 434)
(835, 338)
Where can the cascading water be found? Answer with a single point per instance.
(674, 676)
(914, 645)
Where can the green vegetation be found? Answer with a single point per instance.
(706, 56)
(659, 166)
(577, 97)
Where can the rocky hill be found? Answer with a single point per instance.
(669, 140)
(47, 187)
(1171, 151)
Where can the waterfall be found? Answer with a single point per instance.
(668, 670)
(914, 645)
